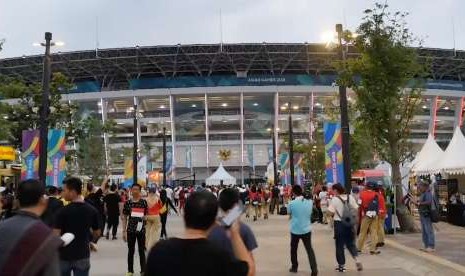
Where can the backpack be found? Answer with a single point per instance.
(349, 214)
(373, 207)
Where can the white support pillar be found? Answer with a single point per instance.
(173, 137)
(104, 108)
(207, 144)
(432, 115)
(242, 136)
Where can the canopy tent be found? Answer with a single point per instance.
(220, 176)
(427, 159)
(453, 159)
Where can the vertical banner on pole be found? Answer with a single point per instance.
(30, 155)
(189, 157)
(333, 153)
(142, 171)
(270, 153)
(284, 167)
(56, 151)
(169, 165)
(128, 172)
(250, 156)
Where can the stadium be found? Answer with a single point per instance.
(228, 96)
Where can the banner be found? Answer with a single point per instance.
(189, 157)
(56, 151)
(142, 171)
(250, 156)
(169, 164)
(333, 153)
(129, 171)
(30, 155)
(270, 153)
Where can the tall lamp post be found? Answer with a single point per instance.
(135, 156)
(162, 134)
(45, 109)
(275, 169)
(291, 144)
(344, 116)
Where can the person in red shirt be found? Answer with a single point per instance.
(381, 215)
(370, 212)
(255, 199)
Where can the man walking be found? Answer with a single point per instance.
(54, 204)
(134, 212)
(193, 254)
(274, 199)
(369, 214)
(77, 218)
(300, 212)
(112, 200)
(229, 198)
(27, 245)
(424, 208)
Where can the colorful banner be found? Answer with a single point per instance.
(56, 152)
(333, 153)
(270, 153)
(128, 172)
(30, 155)
(169, 164)
(142, 171)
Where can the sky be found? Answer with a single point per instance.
(84, 24)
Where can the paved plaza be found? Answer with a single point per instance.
(272, 256)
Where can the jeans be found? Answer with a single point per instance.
(163, 218)
(132, 238)
(427, 231)
(112, 224)
(345, 237)
(368, 225)
(78, 267)
(274, 204)
(307, 240)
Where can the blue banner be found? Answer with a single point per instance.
(333, 153)
(250, 155)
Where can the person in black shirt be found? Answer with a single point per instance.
(54, 204)
(194, 254)
(166, 205)
(274, 199)
(134, 212)
(78, 217)
(112, 200)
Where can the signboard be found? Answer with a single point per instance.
(56, 151)
(333, 153)
(7, 153)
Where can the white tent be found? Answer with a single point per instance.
(453, 159)
(428, 158)
(220, 176)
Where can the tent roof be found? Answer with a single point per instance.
(453, 159)
(220, 175)
(427, 158)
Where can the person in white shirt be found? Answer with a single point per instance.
(324, 202)
(344, 208)
(169, 193)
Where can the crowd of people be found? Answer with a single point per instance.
(35, 218)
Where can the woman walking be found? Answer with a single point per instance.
(165, 205)
(344, 207)
(153, 218)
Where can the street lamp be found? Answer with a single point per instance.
(344, 116)
(44, 111)
(135, 149)
(275, 169)
(291, 143)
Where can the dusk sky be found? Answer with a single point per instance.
(126, 23)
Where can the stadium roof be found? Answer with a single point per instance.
(113, 68)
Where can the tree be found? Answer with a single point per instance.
(24, 113)
(313, 161)
(91, 155)
(387, 78)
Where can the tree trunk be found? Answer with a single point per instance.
(406, 220)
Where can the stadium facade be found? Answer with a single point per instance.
(228, 96)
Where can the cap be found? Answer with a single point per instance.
(372, 185)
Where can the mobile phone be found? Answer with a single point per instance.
(232, 216)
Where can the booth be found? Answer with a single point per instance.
(220, 177)
(451, 169)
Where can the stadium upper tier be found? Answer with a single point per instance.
(122, 68)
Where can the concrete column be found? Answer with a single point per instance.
(432, 115)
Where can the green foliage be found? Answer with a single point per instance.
(313, 162)
(23, 112)
(91, 152)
